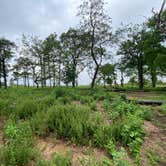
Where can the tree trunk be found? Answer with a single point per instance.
(41, 72)
(17, 82)
(140, 73)
(153, 77)
(44, 74)
(74, 75)
(4, 73)
(59, 74)
(28, 80)
(0, 74)
(94, 77)
(122, 79)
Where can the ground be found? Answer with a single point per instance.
(154, 148)
(153, 151)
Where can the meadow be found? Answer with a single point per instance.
(67, 126)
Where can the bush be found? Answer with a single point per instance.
(39, 124)
(60, 92)
(163, 108)
(93, 106)
(147, 113)
(119, 157)
(63, 100)
(58, 160)
(62, 159)
(76, 123)
(26, 109)
(132, 133)
(121, 108)
(47, 101)
(3, 106)
(19, 144)
(106, 105)
(67, 121)
(86, 100)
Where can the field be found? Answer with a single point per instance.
(80, 127)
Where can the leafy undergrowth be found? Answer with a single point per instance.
(89, 127)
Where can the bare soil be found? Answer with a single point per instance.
(141, 95)
(49, 147)
(155, 141)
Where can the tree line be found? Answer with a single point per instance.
(141, 51)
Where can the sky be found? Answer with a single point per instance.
(42, 17)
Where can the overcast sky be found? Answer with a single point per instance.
(42, 17)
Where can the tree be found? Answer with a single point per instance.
(152, 51)
(158, 19)
(36, 51)
(107, 73)
(6, 54)
(24, 65)
(52, 58)
(133, 52)
(96, 22)
(154, 44)
(122, 68)
(16, 73)
(73, 46)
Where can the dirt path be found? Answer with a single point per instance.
(154, 148)
(49, 147)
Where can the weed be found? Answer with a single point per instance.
(19, 144)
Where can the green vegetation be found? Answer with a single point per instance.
(18, 148)
(78, 118)
(90, 116)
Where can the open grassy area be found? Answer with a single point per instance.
(66, 126)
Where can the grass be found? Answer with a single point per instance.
(40, 112)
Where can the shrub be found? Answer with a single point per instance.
(119, 157)
(62, 159)
(47, 101)
(93, 106)
(121, 108)
(98, 95)
(76, 123)
(163, 108)
(64, 100)
(86, 100)
(3, 106)
(60, 92)
(106, 104)
(58, 160)
(67, 121)
(19, 144)
(147, 113)
(26, 109)
(39, 124)
(132, 133)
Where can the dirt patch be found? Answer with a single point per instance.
(141, 95)
(100, 108)
(49, 147)
(155, 141)
(76, 102)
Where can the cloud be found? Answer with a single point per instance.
(36, 17)
(42, 17)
